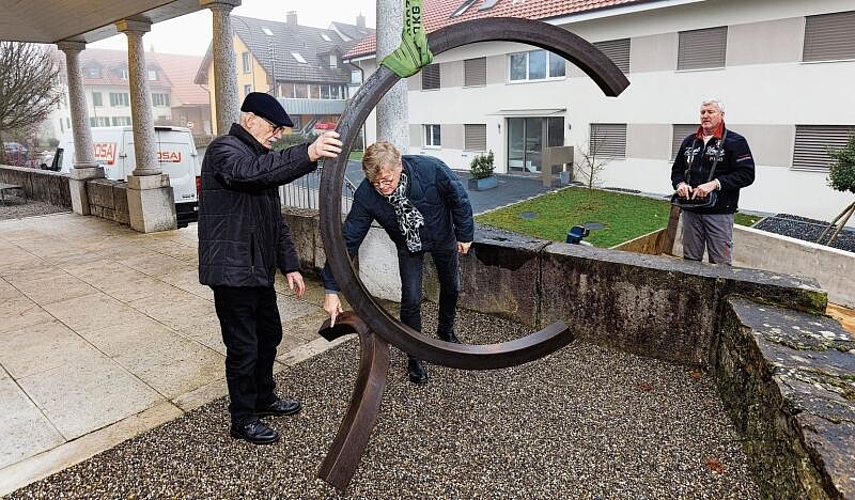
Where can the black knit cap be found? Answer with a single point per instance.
(267, 107)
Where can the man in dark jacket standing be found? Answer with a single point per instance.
(423, 208)
(713, 162)
(242, 241)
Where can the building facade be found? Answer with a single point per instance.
(301, 66)
(779, 66)
(176, 100)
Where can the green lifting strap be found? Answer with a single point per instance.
(413, 53)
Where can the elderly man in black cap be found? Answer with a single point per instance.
(242, 241)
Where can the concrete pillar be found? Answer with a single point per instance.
(85, 166)
(151, 203)
(392, 111)
(225, 71)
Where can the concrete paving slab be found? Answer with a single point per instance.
(72, 452)
(304, 327)
(23, 320)
(174, 365)
(7, 291)
(92, 312)
(42, 347)
(291, 307)
(176, 309)
(39, 272)
(16, 306)
(25, 430)
(132, 286)
(116, 340)
(54, 289)
(79, 398)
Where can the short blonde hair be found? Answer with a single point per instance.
(379, 156)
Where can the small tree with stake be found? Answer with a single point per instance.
(841, 177)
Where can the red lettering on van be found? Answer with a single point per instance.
(105, 151)
(169, 156)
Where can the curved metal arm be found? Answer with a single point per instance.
(595, 64)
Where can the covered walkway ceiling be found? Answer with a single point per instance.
(52, 21)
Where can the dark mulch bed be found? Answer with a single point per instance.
(806, 229)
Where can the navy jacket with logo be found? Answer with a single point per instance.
(734, 170)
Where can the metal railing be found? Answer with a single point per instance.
(305, 192)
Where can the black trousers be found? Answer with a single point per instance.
(411, 269)
(249, 320)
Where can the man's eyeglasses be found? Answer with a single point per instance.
(274, 127)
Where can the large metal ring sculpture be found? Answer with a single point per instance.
(343, 457)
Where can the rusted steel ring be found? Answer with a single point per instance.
(557, 40)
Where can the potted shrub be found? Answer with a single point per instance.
(481, 171)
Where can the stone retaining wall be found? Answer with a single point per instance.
(785, 372)
(42, 185)
(108, 199)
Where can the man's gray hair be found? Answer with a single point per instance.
(714, 102)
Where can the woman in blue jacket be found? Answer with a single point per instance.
(423, 207)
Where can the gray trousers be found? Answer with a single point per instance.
(713, 231)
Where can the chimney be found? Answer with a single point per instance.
(360, 21)
(291, 18)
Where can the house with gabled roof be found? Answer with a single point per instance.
(778, 66)
(176, 100)
(302, 66)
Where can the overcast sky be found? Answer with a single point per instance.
(191, 34)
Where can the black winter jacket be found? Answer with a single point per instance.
(242, 237)
(434, 190)
(734, 170)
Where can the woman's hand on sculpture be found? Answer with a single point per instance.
(332, 305)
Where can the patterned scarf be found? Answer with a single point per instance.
(409, 217)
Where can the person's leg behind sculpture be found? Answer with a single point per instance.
(694, 236)
(447, 271)
(410, 268)
(719, 238)
(236, 309)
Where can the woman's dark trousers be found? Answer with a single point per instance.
(410, 266)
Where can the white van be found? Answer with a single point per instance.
(114, 150)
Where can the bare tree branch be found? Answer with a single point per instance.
(28, 93)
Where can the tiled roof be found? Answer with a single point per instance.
(274, 51)
(111, 63)
(437, 13)
(180, 70)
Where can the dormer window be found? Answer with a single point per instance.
(123, 73)
(299, 58)
(152, 75)
(267, 31)
(333, 61)
(93, 72)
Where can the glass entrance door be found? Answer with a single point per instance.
(525, 141)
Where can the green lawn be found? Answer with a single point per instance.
(626, 216)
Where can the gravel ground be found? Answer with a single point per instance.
(806, 229)
(17, 208)
(583, 423)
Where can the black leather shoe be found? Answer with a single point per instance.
(448, 337)
(279, 408)
(254, 431)
(417, 371)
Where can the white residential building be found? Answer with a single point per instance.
(783, 68)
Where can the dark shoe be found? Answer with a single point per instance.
(280, 408)
(448, 337)
(417, 371)
(254, 431)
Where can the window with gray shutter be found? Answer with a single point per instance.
(706, 48)
(475, 137)
(829, 37)
(608, 140)
(430, 77)
(475, 72)
(617, 51)
(813, 142)
(680, 132)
